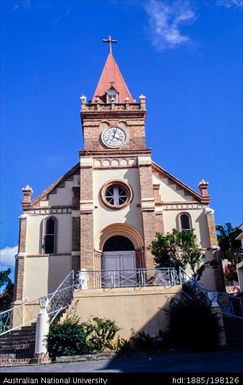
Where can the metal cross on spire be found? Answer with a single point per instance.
(110, 41)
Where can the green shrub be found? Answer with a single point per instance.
(121, 345)
(143, 341)
(192, 325)
(100, 333)
(67, 339)
(71, 337)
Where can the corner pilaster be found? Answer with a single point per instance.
(86, 213)
(213, 250)
(20, 259)
(147, 206)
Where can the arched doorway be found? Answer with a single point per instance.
(119, 262)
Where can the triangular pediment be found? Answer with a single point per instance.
(59, 183)
(180, 189)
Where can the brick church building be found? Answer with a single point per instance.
(104, 213)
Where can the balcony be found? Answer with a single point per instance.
(108, 279)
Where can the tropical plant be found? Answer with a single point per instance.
(99, 333)
(230, 249)
(70, 337)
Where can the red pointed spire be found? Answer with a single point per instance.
(111, 77)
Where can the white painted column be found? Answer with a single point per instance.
(215, 309)
(42, 328)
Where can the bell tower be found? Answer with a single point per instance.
(113, 125)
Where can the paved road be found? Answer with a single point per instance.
(226, 361)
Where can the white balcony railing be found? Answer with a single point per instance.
(96, 279)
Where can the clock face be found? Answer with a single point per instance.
(113, 137)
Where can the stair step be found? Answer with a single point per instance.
(233, 330)
(17, 361)
(7, 355)
(17, 347)
(9, 337)
(18, 352)
(19, 338)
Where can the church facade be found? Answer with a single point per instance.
(104, 213)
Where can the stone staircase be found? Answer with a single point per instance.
(233, 330)
(18, 346)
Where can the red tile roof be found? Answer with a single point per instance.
(111, 73)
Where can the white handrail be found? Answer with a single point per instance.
(24, 314)
(231, 306)
(70, 275)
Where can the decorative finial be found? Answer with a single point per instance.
(203, 187)
(27, 192)
(142, 99)
(203, 184)
(83, 99)
(27, 189)
(110, 41)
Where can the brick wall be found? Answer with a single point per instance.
(75, 234)
(22, 235)
(86, 214)
(159, 222)
(19, 279)
(211, 228)
(20, 261)
(93, 128)
(148, 207)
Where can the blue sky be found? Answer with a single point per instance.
(185, 56)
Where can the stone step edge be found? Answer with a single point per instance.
(24, 361)
(89, 357)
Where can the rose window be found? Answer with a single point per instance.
(116, 194)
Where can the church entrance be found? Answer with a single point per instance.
(119, 262)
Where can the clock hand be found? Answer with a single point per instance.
(114, 132)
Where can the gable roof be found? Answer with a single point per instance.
(111, 75)
(54, 185)
(155, 167)
(177, 182)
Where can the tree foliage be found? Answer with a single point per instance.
(230, 248)
(178, 248)
(7, 296)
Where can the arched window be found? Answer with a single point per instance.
(112, 95)
(49, 239)
(118, 242)
(185, 222)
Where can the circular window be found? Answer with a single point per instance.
(116, 194)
